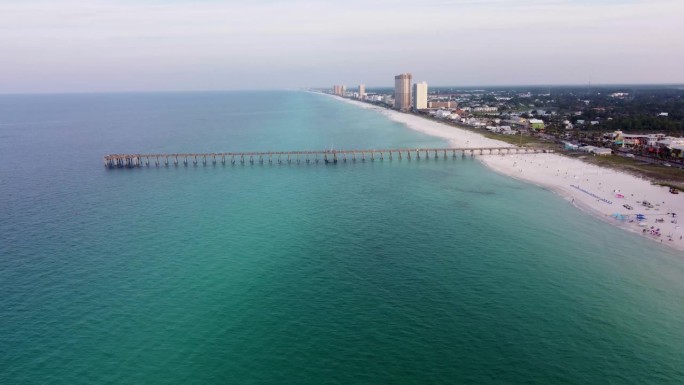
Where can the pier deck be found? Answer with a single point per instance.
(280, 157)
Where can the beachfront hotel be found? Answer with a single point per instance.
(339, 90)
(362, 91)
(420, 91)
(402, 92)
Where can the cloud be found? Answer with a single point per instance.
(102, 45)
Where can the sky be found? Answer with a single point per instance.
(182, 45)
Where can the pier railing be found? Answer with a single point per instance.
(280, 157)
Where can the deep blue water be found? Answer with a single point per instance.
(434, 271)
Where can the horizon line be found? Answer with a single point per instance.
(540, 85)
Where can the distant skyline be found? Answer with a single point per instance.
(185, 45)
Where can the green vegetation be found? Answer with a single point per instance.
(644, 123)
(666, 176)
(518, 140)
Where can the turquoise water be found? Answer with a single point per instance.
(434, 271)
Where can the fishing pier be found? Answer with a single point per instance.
(298, 157)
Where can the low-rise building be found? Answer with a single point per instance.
(516, 121)
(596, 150)
(536, 124)
(475, 122)
(567, 125)
(674, 146)
(442, 114)
(602, 151)
(442, 104)
(633, 140)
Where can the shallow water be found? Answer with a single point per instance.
(436, 271)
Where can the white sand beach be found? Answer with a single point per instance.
(602, 192)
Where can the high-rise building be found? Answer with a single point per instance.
(339, 90)
(362, 91)
(420, 91)
(402, 92)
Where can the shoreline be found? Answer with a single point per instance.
(600, 192)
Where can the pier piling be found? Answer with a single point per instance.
(328, 156)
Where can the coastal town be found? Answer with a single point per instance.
(645, 124)
(614, 152)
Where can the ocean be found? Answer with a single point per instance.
(416, 272)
